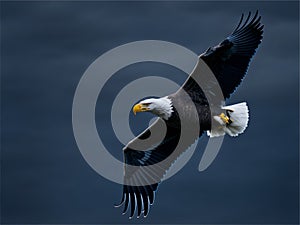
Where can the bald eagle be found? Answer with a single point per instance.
(229, 62)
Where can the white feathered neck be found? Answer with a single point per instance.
(161, 107)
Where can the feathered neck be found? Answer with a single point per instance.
(163, 107)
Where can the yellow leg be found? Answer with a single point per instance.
(225, 119)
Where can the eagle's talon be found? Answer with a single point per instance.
(225, 119)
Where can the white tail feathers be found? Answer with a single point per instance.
(233, 123)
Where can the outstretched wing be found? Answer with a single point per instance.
(230, 59)
(141, 181)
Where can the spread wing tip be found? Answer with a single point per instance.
(138, 200)
(253, 24)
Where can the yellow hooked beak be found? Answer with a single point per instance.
(139, 108)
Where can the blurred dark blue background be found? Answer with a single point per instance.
(45, 49)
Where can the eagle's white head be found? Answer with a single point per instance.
(161, 107)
